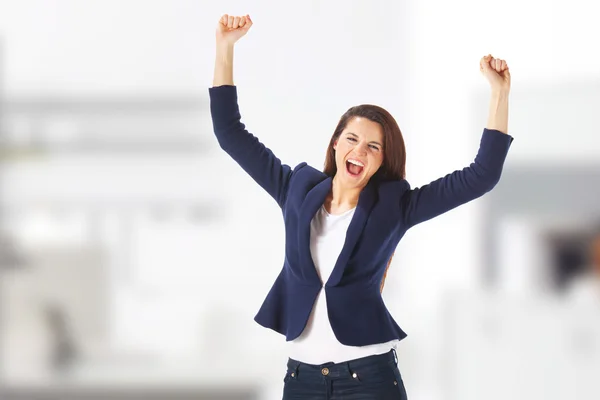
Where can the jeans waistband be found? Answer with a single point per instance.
(345, 368)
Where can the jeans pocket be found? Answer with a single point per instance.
(289, 375)
(377, 375)
(400, 383)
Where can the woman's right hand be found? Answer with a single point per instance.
(230, 29)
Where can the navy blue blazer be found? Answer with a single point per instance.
(385, 211)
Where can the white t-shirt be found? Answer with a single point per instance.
(317, 344)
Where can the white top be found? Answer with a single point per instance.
(317, 344)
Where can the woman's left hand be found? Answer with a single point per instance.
(496, 72)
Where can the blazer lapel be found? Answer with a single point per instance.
(359, 219)
(314, 199)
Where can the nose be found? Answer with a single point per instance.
(362, 148)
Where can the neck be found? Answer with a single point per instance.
(341, 196)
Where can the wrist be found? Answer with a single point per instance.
(500, 93)
(224, 46)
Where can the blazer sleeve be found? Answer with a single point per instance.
(461, 186)
(233, 137)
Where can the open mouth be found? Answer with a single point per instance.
(354, 169)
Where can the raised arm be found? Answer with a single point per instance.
(462, 186)
(233, 137)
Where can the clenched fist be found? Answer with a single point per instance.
(230, 29)
(496, 72)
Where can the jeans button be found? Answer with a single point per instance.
(325, 371)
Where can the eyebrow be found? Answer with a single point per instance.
(355, 135)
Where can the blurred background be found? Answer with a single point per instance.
(130, 260)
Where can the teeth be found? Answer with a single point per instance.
(356, 163)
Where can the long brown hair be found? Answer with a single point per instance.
(394, 151)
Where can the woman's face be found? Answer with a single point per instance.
(358, 152)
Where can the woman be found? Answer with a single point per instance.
(342, 226)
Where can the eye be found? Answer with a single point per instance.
(352, 139)
(374, 147)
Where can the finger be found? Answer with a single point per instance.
(242, 22)
(230, 22)
(504, 65)
(248, 21)
(236, 22)
(484, 63)
(223, 20)
(499, 65)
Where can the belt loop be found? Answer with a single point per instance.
(395, 355)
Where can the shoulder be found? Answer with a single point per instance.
(308, 172)
(304, 178)
(396, 187)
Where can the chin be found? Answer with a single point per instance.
(354, 180)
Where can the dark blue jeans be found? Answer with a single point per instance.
(374, 377)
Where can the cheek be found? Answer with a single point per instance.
(377, 160)
(339, 157)
(340, 151)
